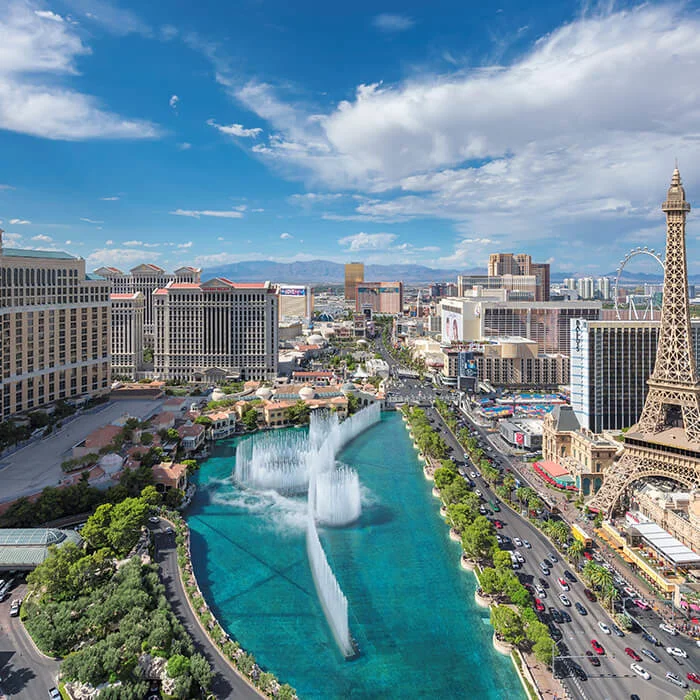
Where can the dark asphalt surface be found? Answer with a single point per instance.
(26, 674)
(226, 684)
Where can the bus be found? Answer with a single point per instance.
(580, 534)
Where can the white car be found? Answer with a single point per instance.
(668, 628)
(472, 475)
(605, 629)
(541, 592)
(676, 651)
(527, 544)
(630, 592)
(565, 601)
(518, 542)
(478, 493)
(640, 671)
(519, 557)
(564, 585)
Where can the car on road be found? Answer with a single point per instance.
(544, 568)
(518, 542)
(641, 604)
(676, 680)
(605, 629)
(541, 592)
(616, 630)
(592, 658)
(478, 493)
(482, 510)
(543, 583)
(497, 524)
(641, 671)
(669, 629)
(650, 654)
(630, 591)
(14, 608)
(590, 595)
(677, 651)
(472, 475)
(554, 632)
(553, 557)
(579, 672)
(54, 694)
(693, 677)
(539, 606)
(527, 545)
(651, 638)
(597, 647)
(169, 531)
(569, 576)
(632, 653)
(154, 520)
(581, 610)
(565, 616)
(564, 585)
(555, 615)
(547, 563)
(519, 557)
(565, 600)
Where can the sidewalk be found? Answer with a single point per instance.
(549, 686)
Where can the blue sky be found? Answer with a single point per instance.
(435, 133)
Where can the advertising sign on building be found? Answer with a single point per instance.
(451, 326)
(519, 439)
(467, 365)
(293, 291)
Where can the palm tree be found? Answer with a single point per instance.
(692, 695)
(590, 572)
(576, 550)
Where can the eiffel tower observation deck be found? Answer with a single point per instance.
(666, 440)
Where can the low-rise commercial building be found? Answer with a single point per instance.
(522, 432)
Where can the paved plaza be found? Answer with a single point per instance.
(38, 465)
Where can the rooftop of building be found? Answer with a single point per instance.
(27, 253)
(673, 437)
(117, 297)
(23, 548)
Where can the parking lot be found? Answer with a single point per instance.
(38, 465)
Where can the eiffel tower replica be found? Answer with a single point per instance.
(666, 440)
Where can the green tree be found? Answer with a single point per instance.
(508, 624)
(177, 666)
(454, 492)
(146, 438)
(127, 519)
(478, 539)
(201, 671)
(459, 515)
(96, 529)
(692, 695)
(52, 578)
(443, 477)
(576, 549)
(250, 418)
(150, 496)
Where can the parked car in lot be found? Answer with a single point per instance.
(603, 627)
(668, 629)
(632, 653)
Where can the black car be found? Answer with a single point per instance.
(555, 632)
(569, 576)
(543, 582)
(565, 616)
(651, 639)
(581, 610)
(556, 615)
(547, 563)
(579, 672)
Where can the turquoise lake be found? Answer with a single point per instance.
(412, 609)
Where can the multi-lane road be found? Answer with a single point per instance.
(613, 679)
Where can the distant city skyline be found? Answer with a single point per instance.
(156, 133)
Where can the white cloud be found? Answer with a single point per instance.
(220, 238)
(109, 199)
(117, 20)
(368, 241)
(11, 239)
(185, 245)
(47, 14)
(257, 211)
(109, 242)
(69, 242)
(117, 256)
(575, 135)
(286, 236)
(236, 130)
(6, 187)
(184, 146)
(90, 221)
(390, 23)
(196, 214)
(173, 102)
(36, 54)
(19, 222)
(41, 237)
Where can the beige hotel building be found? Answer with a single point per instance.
(55, 323)
(215, 330)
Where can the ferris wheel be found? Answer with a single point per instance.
(643, 303)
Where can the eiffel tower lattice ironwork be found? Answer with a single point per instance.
(666, 440)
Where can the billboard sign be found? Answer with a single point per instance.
(451, 326)
(467, 365)
(293, 291)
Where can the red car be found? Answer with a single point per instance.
(538, 605)
(693, 677)
(588, 556)
(590, 595)
(593, 658)
(498, 524)
(597, 647)
(631, 652)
